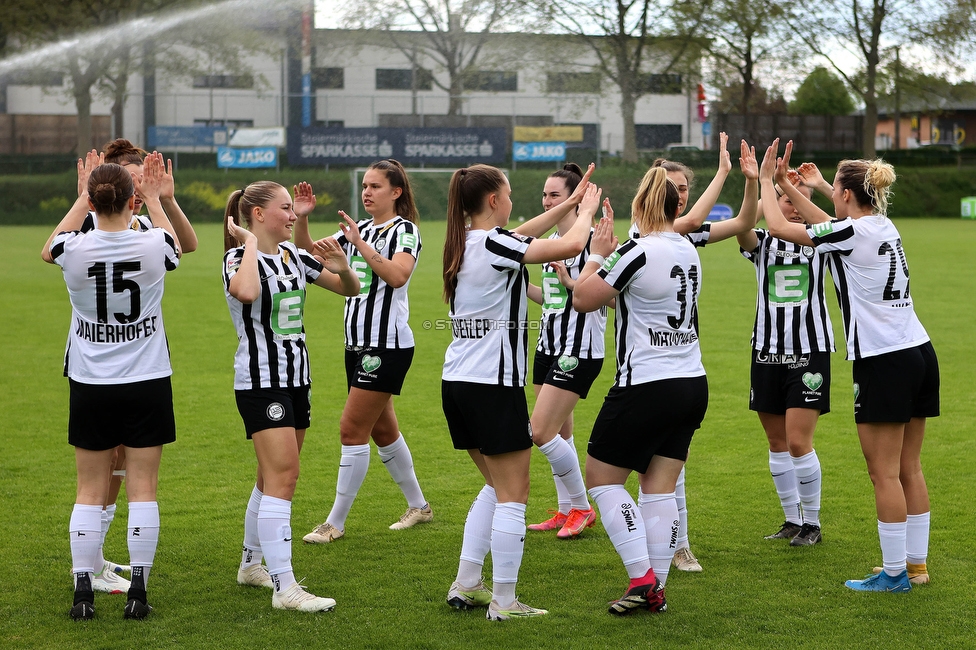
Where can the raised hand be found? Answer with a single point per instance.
(810, 175)
(724, 159)
(242, 235)
(577, 196)
(330, 253)
(349, 229)
(747, 161)
(85, 167)
(768, 167)
(607, 209)
(781, 175)
(148, 185)
(604, 242)
(167, 185)
(591, 199)
(304, 199)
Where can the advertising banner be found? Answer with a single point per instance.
(252, 137)
(538, 151)
(186, 136)
(548, 133)
(247, 158)
(410, 146)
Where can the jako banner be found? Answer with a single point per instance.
(247, 158)
(361, 146)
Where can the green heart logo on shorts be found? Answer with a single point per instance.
(370, 363)
(813, 381)
(857, 391)
(567, 363)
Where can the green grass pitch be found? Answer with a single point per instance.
(391, 585)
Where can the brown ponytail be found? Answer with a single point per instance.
(465, 197)
(241, 205)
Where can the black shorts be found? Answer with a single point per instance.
(492, 419)
(788, 381)
(104, 416)
(272, 408)
(379, 369)
(897, 386)
(653, 419)
(566, 372)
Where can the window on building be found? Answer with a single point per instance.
(663, 84)
(400, 79)
(223, 81)
(328, 78)
(657, 136)
(491, 81)
(573, 82)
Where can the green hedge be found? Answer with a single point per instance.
(36, 199)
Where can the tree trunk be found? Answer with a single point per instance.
(870, 127)
(83, 102)
(455, 104)
(628, 106)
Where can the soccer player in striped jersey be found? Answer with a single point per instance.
(568, 358)
(483, 383)
(699, 232)
(896, 372)
(790, 377)
(117, 364)
(660, 394)
(383, 251)
(265, 276)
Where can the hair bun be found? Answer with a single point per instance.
(105, 193)
(880, 174)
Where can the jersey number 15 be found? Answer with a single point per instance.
(120, 284)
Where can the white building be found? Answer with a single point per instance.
(360, 79)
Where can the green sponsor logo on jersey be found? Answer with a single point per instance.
(567, 363)
(363, 272)
(407, 240)
(371, 363)
(824, 228)
(286, 312)
(813, 381)
(554, 294)
(611, 260)
(789, 283)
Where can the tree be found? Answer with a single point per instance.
(762, 101)
(822, 93)
(631, 39)
(447, 35)
(868, 31)
(742, 35)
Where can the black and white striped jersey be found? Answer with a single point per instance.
(659, 279)
(378, 316)
(697, 237)
(271, 351)
(791, 306)
(489, 311)
(138, 222)
(562, 329)
(871, 276)
(115, 283)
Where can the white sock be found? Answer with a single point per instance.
(252, 543)
(143, 538)
(399, 463)
(679, 496)
(808, 478)
(507, 543)
(477, 537)
(566, 469)
(85, 534)
(660, 515)
(625, 527)
(274, 531)
(917, 539)
(352, 470)
(784, 479)
(893, 538)
(108, 516)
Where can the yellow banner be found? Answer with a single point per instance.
(547, 134)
